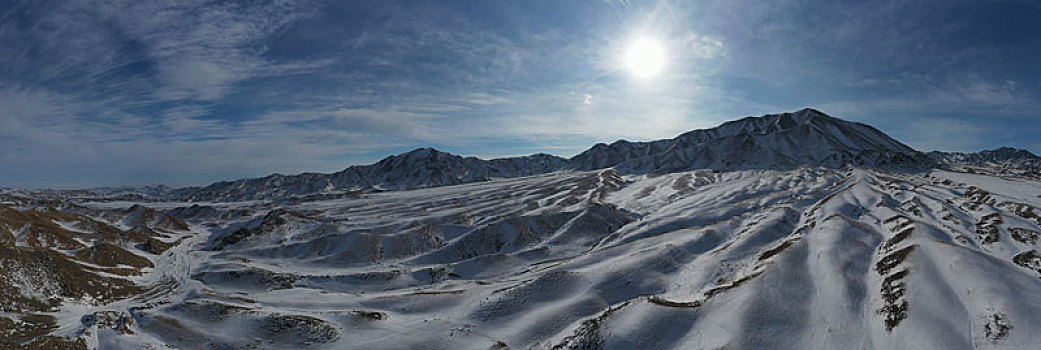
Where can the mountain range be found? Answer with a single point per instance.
(806, 137)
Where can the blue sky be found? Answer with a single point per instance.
(187, 91)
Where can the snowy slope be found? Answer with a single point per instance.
(788, 259)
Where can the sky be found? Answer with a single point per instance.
(186, 92)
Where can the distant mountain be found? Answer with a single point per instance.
(1000, 155)
(1003, 161)
(420, 168)
(774, 141)
(123, 193)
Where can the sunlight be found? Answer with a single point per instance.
(645, 58)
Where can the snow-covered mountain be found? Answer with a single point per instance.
(998, 155)
(127, 193)
(1001, 161)
(420, 168)
(789, 252)
(776, 141)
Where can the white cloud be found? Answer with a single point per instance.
(200, 49)
(990, 93)
(483, 99)
(193, 79)
(704, 46)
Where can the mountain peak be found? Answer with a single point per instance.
(426, 155)
(785, 140)
(423, 152)
(812, 112)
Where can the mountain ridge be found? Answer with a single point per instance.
(1001, 154)
(773, 141)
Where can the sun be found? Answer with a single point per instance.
(645, 58)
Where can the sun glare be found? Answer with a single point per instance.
(645, 58)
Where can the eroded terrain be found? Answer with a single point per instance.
(806, 258)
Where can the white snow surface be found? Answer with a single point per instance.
(808, 258)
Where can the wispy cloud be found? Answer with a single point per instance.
(999, 93)
(483, 99)
(705, 47)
